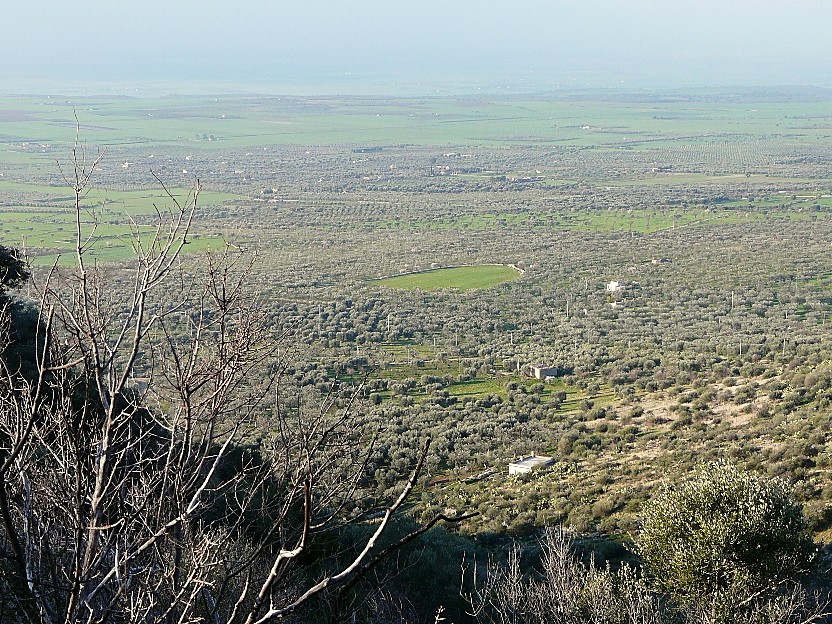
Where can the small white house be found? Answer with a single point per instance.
(531, 462)
(541, 371)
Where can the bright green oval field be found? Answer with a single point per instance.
(459, 278)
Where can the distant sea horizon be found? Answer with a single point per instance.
(285, 79)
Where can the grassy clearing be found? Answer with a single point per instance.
(457, 278)
(45, 235)
(408, 360)
(477, 388)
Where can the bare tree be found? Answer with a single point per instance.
(130, 489)
(566, 591)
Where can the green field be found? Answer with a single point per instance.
(458, 278)
(216, 123)
(644, 221)
(115, 204)
(42, 220)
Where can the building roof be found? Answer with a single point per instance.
(532, 461)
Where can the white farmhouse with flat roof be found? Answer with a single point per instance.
(529, 463)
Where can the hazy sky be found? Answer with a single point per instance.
(639, 42)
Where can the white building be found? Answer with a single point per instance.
(541, 371)
(531, 462)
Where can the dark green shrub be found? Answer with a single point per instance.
(724, 533)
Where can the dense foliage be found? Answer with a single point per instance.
(724, 536)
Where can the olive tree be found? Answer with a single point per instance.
(724, 538)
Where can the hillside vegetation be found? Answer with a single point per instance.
(665, 259)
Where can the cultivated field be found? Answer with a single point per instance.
(41, 219)
(457, 278)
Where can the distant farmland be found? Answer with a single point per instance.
(43, 220)
(458, 278)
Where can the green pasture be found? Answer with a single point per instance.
(477, 387)
(46, 234)
(480, 386)
(483, 386)
(823, 201)
(42, 220)
(589, 120)
(115, 203)
(456, 278)
(406, 359)
(637, 221)
(796, 206)
(700, 179)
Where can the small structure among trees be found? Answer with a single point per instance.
(525, 465)
(542, 371)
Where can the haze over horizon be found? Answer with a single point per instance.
(283, 45)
